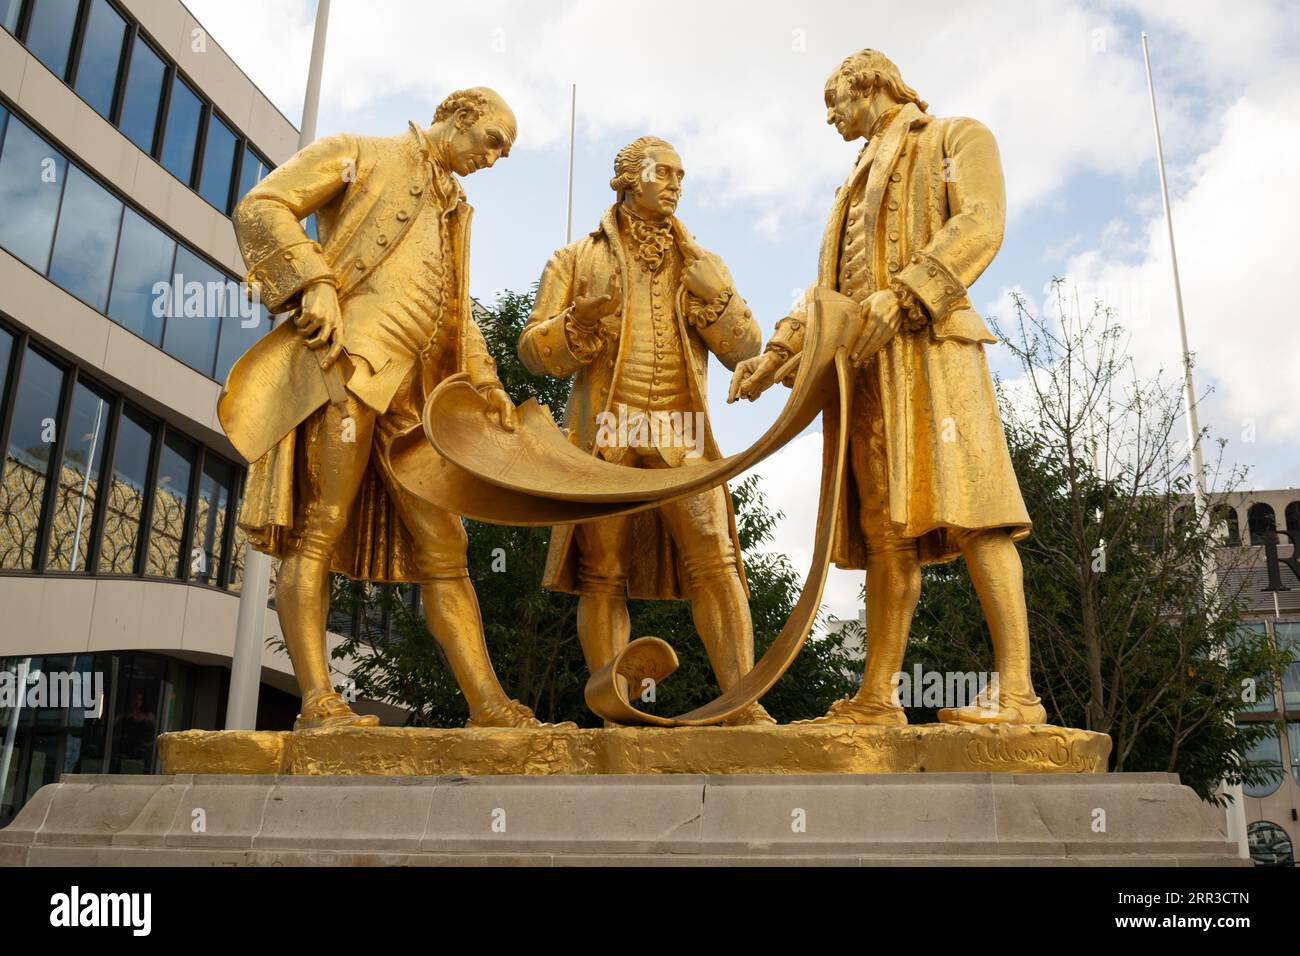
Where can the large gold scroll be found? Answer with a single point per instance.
(536, 476)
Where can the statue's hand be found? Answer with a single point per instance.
(754, 376)
(501, 408)
(321, 321)
(588, 310)
(881, 317)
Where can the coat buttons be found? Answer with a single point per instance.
(382, 240)
(403, 215)
(416, 190)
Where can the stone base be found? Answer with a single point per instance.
(788, 749)
(823, 819)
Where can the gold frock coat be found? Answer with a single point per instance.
(366, 193)
(933, 214)
(543, 348)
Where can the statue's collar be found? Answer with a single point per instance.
(443, 182)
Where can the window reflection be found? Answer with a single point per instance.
(1266, 754)
(84, 244)
(181, 134)
(1264, 696)
(171, 493)
(28, 459)
(120, 541)
(1288, 641)
(101, 51)
(218, 163)
(195, 317)
(31, 180)
(144, 84)
(49, 33)
(210, 516)
(141, 696)
(9, 11)
(250, 173)
(144, 257)
(78, 484)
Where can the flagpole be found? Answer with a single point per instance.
(573, 123)
(1236, 811)
(250, 626)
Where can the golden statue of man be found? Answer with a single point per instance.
(383, 299)
(634, 309)
(920, 216)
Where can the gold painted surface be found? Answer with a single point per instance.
(920, 216)
(790, 749)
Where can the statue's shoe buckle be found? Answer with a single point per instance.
(511, 713)
(1010, 709)
(328, 709)
(866, 713)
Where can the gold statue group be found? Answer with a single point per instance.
(631, 311)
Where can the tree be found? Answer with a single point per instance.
(1124, 639)
(532, 633)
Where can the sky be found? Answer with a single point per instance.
(737, 88)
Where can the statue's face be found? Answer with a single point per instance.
(848, 112)
(481, 144)
(659, 186)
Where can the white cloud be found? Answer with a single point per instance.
(791, 480)
(737, 85)
(1235, 227)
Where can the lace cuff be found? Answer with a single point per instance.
(703, 314)
(915, 316)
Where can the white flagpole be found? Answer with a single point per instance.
(573, 123)
(1236, 811)
(250, 627)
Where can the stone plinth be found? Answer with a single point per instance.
(678, 819)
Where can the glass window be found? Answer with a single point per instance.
(28, 459)
(101, 52)
(1293, 747)
(1267, 754)
(144, 83)
(1292, 517)
(49, 33)
(1225, 526)
(78, 484)
(1269, 844)
(239, 331)
(218, 163)
(9, 11)
(144, 258)
(1264, 696)
(121, 537)
(86, 239)
(31, 179)
(171, 494)
(6, 353)
(212, 512)
(196, 310)
(1288, 641)
(250, 173)
(181, 134)
(1261, 521)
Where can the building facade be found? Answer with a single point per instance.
(1272, 600)
(126, 138)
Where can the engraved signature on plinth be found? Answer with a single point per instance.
(1056, 751)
